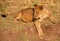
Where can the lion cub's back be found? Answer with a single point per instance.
(27, 14)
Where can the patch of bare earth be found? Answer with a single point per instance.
(28, 34)
(52, 33)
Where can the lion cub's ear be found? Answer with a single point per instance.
(41, 7)
(38, 8)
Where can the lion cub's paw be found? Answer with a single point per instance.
(41, 36)
(16, 21)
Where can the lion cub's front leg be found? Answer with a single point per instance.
(39, 29)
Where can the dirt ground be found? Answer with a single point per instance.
(12, 31)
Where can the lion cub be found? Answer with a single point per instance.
(36, 15)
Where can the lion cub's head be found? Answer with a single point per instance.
(41, 11)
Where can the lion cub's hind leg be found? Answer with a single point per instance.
(18, 17)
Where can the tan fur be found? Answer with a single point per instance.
(27, 15)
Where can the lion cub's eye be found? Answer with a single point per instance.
(41, 7)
